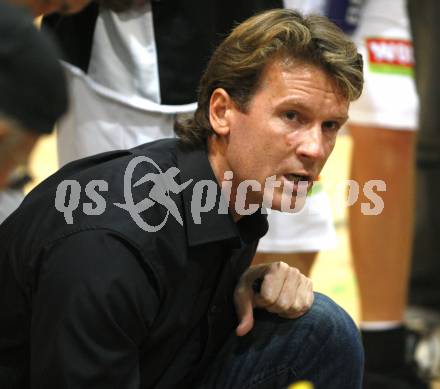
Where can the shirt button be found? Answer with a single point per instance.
(213, 310)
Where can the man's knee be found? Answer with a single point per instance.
(335, 327)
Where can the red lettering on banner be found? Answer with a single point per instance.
(390, 51)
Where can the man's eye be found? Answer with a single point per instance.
(291, 115)
(331, 126)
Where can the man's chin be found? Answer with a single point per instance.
(293, 204)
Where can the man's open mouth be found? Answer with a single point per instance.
(296, 178)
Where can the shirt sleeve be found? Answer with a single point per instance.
(91, 310)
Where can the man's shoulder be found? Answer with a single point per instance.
(109, 167)
(95, 192)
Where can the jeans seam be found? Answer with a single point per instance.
(269, 374)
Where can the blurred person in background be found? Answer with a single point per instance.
(33, 96)
(382, 125)
(33, 87)
(424, 296)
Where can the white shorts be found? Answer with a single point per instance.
(389, 99)
(311, 229)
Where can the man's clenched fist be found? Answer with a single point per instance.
(284, 291)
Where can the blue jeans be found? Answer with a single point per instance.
(323, 346)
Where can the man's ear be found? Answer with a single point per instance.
(220, 109)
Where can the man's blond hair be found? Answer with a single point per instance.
(238, 62)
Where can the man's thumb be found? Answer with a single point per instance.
(245, 313)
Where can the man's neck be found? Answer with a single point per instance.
(217, 159)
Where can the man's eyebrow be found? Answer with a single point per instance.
(296, 104)
(341, 119)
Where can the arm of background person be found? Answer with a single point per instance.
(92, 308)
(15, 147)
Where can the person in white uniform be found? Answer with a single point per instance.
(382, 125)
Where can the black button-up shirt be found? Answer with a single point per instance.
(100, 302)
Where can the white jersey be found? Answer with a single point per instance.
(389, 99)
(383, 37)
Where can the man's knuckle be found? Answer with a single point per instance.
(307, 304)
(268, 279)
(284, 265)
(297, 307)
(295, 272)
(268, 300)
(280, 265)
(285, 304)
(303, 303)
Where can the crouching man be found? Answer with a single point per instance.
(130, 269)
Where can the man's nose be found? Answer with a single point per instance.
(311, 145)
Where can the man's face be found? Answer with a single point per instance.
(289, 129)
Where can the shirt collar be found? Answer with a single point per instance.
(214, 226)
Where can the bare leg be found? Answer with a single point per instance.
(381, 244)
(302, 261)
